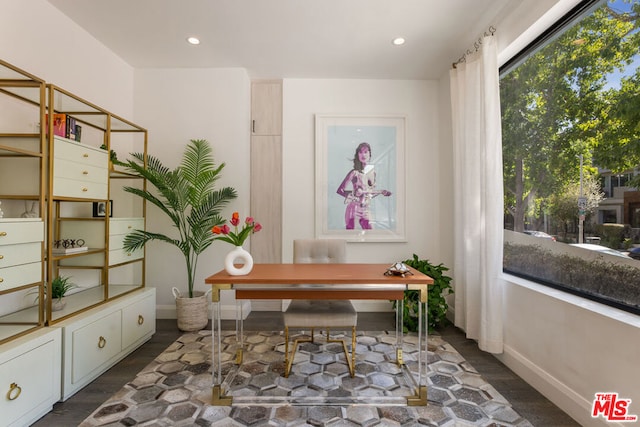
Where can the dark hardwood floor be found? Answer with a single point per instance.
(525, 400)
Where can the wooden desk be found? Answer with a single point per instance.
(320, 281)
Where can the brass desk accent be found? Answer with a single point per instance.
(319, 281)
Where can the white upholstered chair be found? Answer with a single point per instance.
(328, 314)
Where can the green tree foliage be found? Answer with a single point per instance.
(558, 105)
(563, 207)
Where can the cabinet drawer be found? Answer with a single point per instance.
(34, 372)
(67, 169)
(79, 153)
(94, 344)
(138, 320)
(21, 232)
(125, 225)
(11, 255)
(12, 277)
(118, 256)
(81, 189)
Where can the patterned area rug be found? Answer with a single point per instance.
(175, 389)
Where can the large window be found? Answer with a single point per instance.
(571, 147)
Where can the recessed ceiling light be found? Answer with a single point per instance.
(398, 41)
(193, 40)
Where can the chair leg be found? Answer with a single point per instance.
(353, 351)
(350, 358)
(286, 344)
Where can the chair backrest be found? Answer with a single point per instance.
(319, 251)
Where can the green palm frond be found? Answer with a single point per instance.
(187, 195)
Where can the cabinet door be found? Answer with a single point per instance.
(29, 381)
(266, 108)
(138, 320)
(94, 344)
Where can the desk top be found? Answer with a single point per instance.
(319, 274)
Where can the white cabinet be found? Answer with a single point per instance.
(20, 253)
(97, 339)
(118, 230)
(79, 170)
(30, 373)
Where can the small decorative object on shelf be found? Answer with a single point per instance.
(237, 238)
(100, 209)
(68, 246)
(30, 213)
(59, 288)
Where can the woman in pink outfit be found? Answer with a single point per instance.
(362, 179)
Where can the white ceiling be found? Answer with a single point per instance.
(290, 38)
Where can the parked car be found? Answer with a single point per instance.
(540, 234)
(599, 248)
(634, 253)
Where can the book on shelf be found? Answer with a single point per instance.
(59, 124)
(67, 251)
(71, 128)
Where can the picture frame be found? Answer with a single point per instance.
(100, 209)
(360, 201)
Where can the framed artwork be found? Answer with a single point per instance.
(101, 209)
(360, 178)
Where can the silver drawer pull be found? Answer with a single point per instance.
(102, 342)
(140, 319)
(14, 391)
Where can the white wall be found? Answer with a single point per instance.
(37, 38)
(427, 176)
(177, 105)
(570, 348)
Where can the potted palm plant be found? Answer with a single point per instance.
(187, 195)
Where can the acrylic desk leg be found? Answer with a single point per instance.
(239, 332)
(420, 399)
(399, 331)
(218, 396)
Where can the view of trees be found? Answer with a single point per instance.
(579, 95)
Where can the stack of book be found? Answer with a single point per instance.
(67, 251)
(64, 125)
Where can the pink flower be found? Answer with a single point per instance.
(235, 219)
(237, 236)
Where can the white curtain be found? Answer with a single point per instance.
(478, 220)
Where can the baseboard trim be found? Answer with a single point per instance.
(564, 397)
(227, 311)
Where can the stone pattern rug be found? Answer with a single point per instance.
(175, 389)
